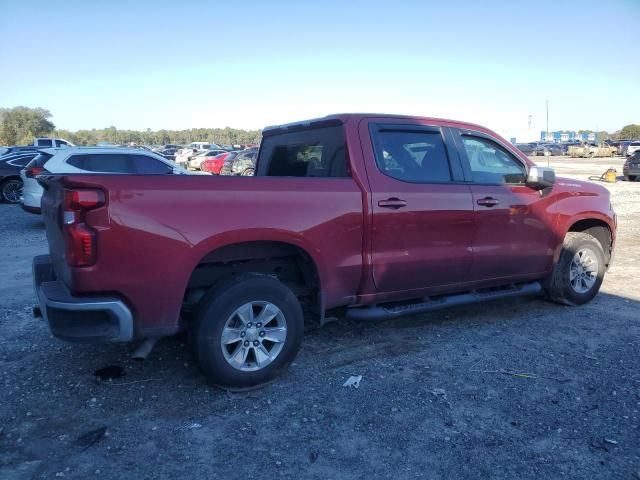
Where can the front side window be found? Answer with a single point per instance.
(416, 156)
(316, 152)
(490, 163)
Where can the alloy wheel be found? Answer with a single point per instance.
(583, 271)
(253, 336)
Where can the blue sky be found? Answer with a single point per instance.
(166, 64)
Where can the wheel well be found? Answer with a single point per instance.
(10, 177)
(597, 229)
(289, 263)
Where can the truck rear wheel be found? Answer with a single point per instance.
(578, 275)
(247, 330)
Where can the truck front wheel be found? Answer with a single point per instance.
(578, 275)
(247, 330)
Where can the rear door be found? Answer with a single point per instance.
(422, 222)
(511, 236)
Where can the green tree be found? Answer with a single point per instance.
(21, 124)
(632, 132)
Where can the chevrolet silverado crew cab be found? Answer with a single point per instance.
(364, 216)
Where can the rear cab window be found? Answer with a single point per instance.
(315, 151)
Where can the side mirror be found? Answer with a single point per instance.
(541, 177)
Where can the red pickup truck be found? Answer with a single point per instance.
(368, 216)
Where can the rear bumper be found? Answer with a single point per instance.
(31, 193)
(79, 319)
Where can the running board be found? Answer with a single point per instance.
(430, 304)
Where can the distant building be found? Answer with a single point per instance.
(568, 136)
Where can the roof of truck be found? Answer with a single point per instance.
(340, 118)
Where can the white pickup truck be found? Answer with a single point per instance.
(51, 142)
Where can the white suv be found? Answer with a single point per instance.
(89, 160)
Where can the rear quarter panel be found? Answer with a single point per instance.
(154, 230)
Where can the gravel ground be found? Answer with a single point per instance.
(509, 390)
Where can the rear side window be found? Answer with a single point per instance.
(316, 152)
(21, 161)
(44, 143)
(416, 156)
(105, 163)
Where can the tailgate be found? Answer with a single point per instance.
(52, 206)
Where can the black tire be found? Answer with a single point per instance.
(631, 178)
(9, 189)
(249, 172)
(219, 306)
(560, 288)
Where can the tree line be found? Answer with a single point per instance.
(19, 126)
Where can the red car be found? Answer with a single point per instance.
(214, 164)
(368, 216)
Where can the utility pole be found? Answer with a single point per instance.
(549, 156)
(547, 120)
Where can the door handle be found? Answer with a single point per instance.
(392, 203)
(487, 202)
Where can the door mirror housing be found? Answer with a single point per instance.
(541, 177)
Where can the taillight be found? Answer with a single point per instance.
(33, 171)
(80, 237)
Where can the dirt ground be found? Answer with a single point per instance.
(517, 389)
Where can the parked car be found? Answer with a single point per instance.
(403, 215)
(89, 159)
(631, 168)
(243, 163)
(214, 164)
(17, 149)
(591, 150)
(204, 146)
(526, 148)
(196, 160)
(183, 155)
(621, 148)
(168, 153)
(548, 149)
(10, 166)
(632, 148)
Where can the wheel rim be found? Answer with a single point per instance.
(11, 191)
(583, 272)
(253, 336)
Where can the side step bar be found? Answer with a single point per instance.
(429, 304)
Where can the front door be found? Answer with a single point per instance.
(511, 236)
(422, 211)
